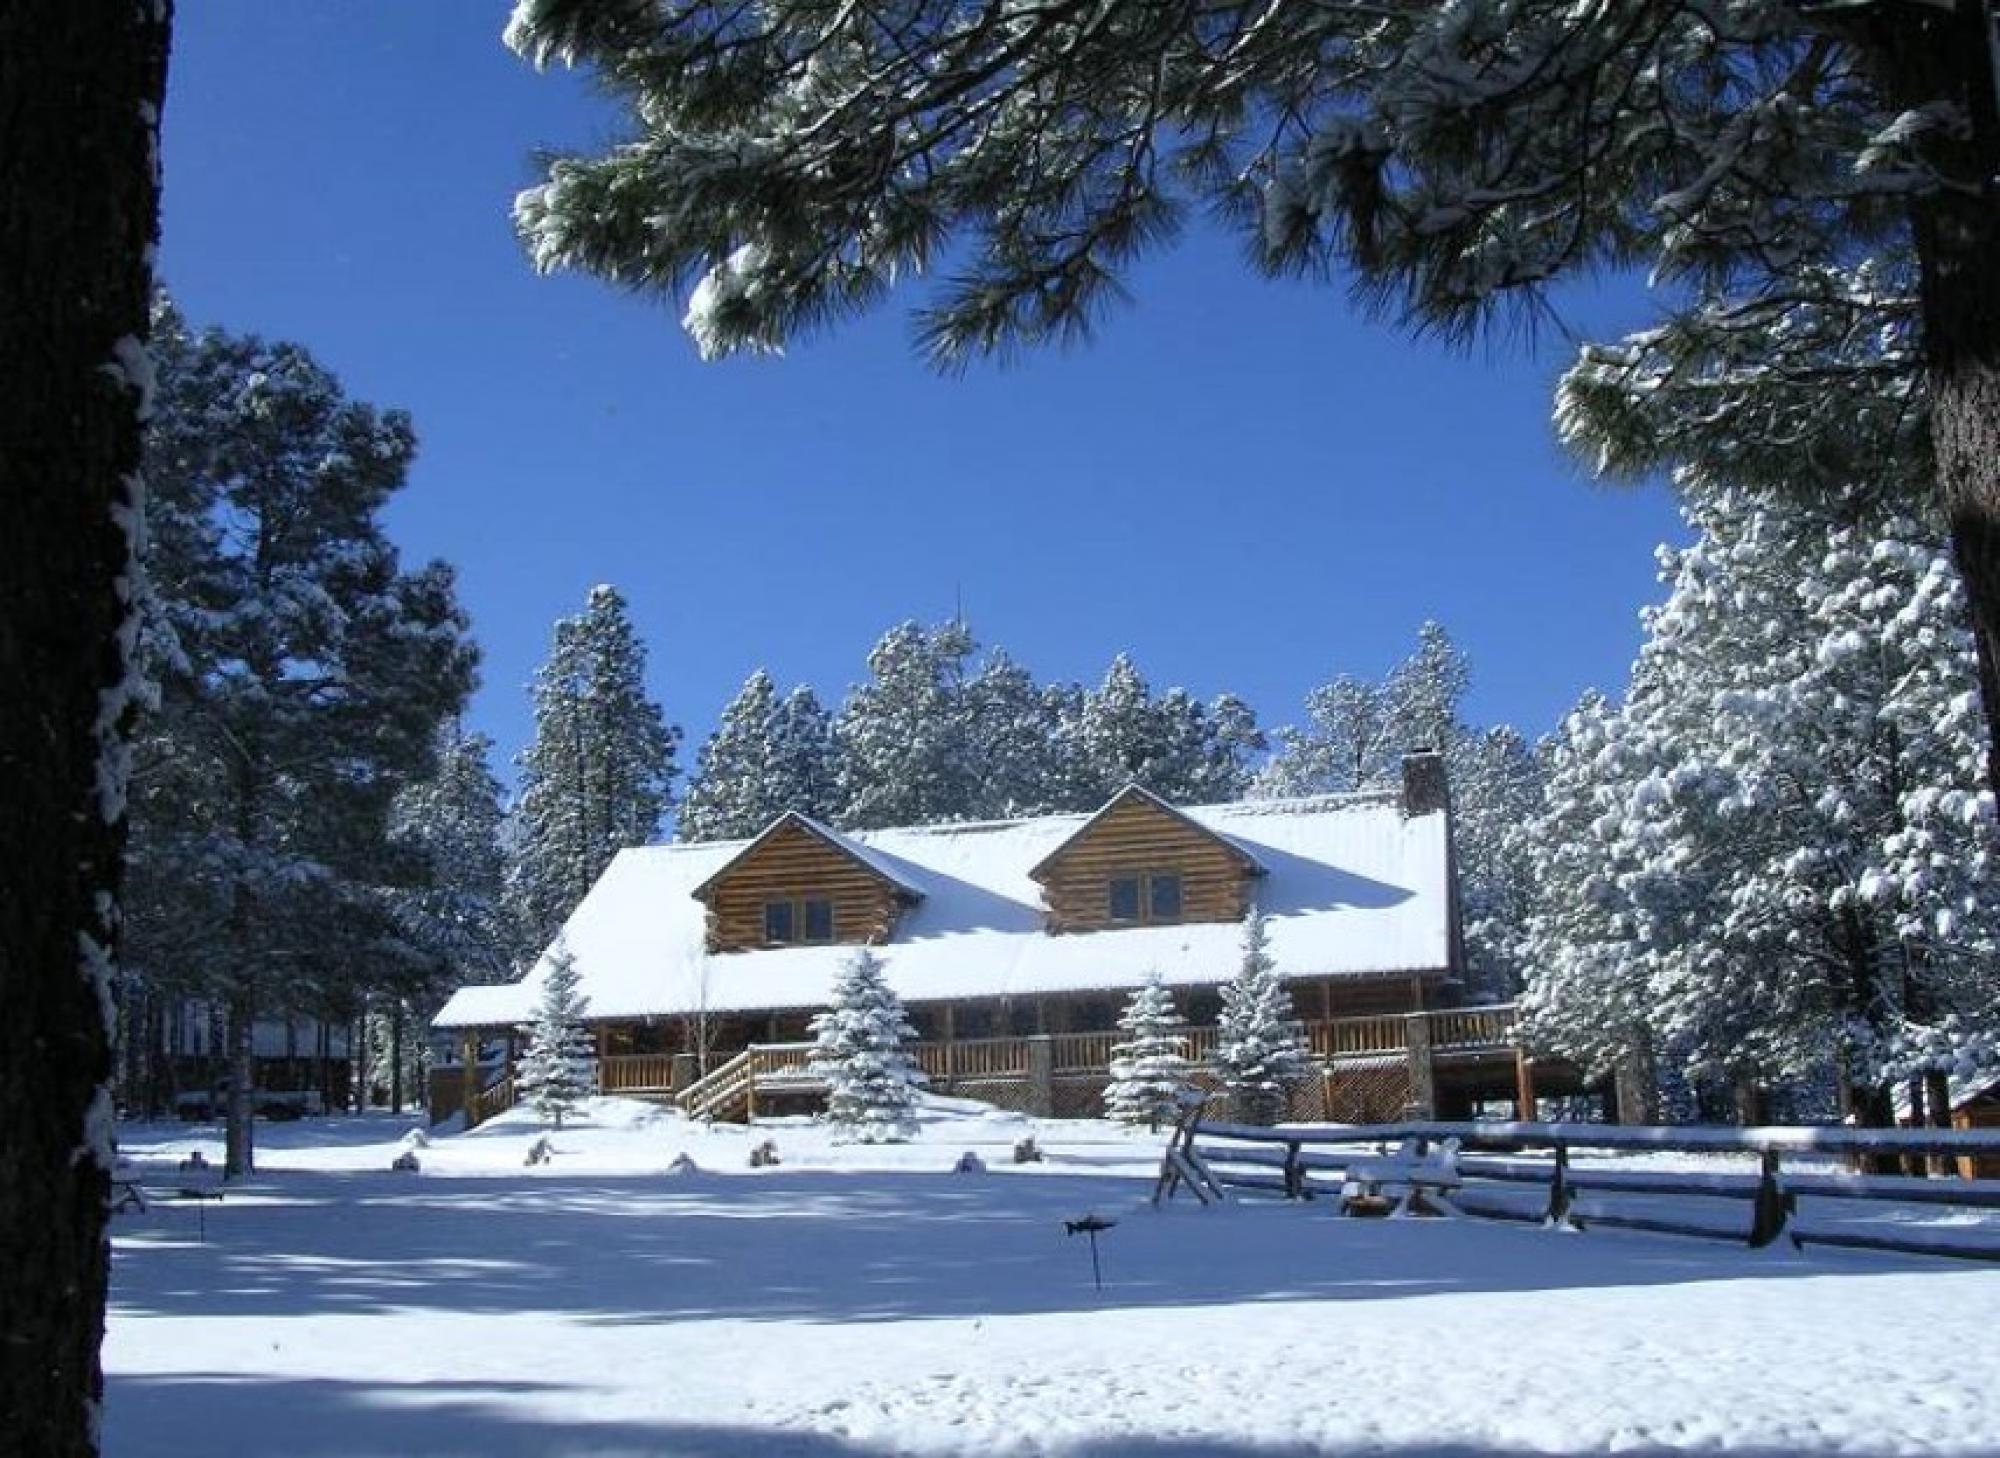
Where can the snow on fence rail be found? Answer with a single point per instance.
(1301, 1161)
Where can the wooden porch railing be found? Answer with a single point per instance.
(635, 1073)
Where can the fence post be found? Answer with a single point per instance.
(1768, 1221)
(1423, 1077)
(1558, 1211)
(1041, 1075)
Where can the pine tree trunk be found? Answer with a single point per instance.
(80, 84)
(1957, 235)
(239, 1135)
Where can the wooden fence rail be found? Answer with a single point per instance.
(1300, 1161)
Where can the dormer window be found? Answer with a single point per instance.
(800, 920)
(1155, 896)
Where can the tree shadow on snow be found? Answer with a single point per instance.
(841, 1248)
(197, 1415)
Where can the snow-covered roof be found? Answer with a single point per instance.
(1352, 887)
(882, 865)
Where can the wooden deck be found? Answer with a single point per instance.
(1390, 1062)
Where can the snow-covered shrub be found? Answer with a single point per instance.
(872, 1081)
(406, 1163)
(969, 1163)
(556, 1072)
(1026, 1151)
(540, 1152)
(683, 1165)
(1149, 1069)
(764, 1155)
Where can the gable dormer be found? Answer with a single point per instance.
(801, 884)
(1140, 862)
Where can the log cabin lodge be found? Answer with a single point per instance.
(1014, 945)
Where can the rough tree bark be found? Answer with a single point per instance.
(81, 82)
(1957, 232)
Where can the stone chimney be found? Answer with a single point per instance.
(1425, 791)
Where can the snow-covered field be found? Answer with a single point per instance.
(870, 1301)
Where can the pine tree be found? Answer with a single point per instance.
(1778, 849)
(557, 1071)
(303, 675)
(1181, 750)
(766, 757)
(1809, 188)
(1149, 1069)
(1011, 733)
(903, 738)
(858, 1049)
(1344, 747)
(1258, 1051)
(599, 775)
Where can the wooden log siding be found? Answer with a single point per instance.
(1136, 838)
(792, 865)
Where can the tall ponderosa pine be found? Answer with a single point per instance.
(1173, 745)
(1779, 848)
(303, 674)
(1812, 188)
(767, 756)
(79, 148)
(1149, 1068)
(599, 775)
(557, 1070)
(903, 737)
(859, 1049)
(1258, 1051)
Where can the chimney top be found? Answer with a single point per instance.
(1425, 789)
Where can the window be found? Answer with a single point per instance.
(818, 919)
(801, 919)
(1154, 897)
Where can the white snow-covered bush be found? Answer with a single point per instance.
(1149, 1069)
(1257, 1046)
(556, 1072)
(872, 1081)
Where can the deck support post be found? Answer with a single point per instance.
(1423, 1074)
(468, 1055)
(950, 1031)
(1041, 1076)
(1524, 1086)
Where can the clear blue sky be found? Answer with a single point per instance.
(1240, 482)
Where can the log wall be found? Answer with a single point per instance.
(1135, 837)
(793, 864)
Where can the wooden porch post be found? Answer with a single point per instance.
(1423, 1076)
(950, 1032)
(1524, 1086)
(1041, 1076)
(468, 1054)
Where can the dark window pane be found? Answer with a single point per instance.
(1125, 898)
(1166, 892)
(777, 921)
(819, 919)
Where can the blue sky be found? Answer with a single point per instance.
(1240, 482)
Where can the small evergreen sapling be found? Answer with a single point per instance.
(556, 1070)
(1257, 1048)
(1149, 1069)
(872, 1081)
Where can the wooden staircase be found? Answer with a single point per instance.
(726, 1092)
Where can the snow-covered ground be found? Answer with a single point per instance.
(870, 1301)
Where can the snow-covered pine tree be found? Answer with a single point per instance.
(1343, 747)
(598, 776)
(1149, 1069)
(557, 1072)
(726, 798)
(1258, 1050)
(303, 674)
(1808, 185)
(767, 756)
(1012, 737)
(1180, 749)
(859, 1049)
(1792, 835)
(903, 737)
